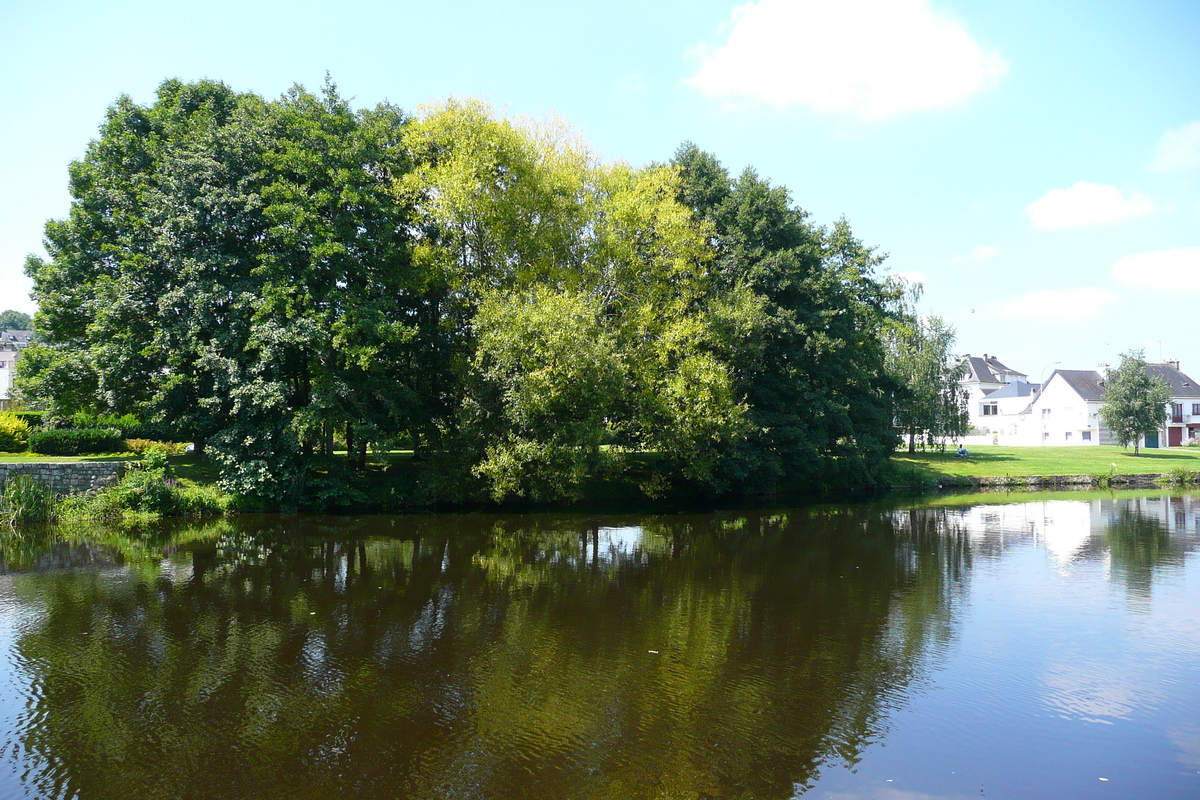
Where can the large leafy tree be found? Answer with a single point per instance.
(228, 268)
(557, 266)
(801, 315)
(1135, 404)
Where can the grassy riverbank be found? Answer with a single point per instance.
(1016, 462)
(389, 482)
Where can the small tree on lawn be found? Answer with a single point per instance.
(1134, 403)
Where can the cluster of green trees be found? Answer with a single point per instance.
(15, 320)
(266, 275)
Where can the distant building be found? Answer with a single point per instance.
(12, 342)
(1000, 412)
(984, 376)
(1067, 409)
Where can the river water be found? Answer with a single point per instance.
(1036, 646)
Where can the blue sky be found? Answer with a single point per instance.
(1037, 164)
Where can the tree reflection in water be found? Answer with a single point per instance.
(730, 655)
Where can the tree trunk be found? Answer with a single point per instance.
(912, 439)
(350, 443)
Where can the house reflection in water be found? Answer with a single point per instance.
(1133, 536)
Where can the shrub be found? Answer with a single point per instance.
(142, 446)
(1181, 476)
(14, 433)
(148, 488)
(33, 418)
(129, 425)
(74, 442)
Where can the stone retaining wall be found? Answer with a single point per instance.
(67, 477)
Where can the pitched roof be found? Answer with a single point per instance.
(1087, 383)
(980, 371)
(995, 366)
(1014, 389)
(985, 368)
(1181, 385)
(14, 336)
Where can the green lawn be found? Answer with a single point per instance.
(8, 458)
(990, 461)
(194, 470)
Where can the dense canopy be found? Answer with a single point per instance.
(263, 276)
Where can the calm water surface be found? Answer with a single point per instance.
(1043, 649)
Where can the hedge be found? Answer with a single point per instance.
(32, 418)
(75, 441)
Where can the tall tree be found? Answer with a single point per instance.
(232, 267)
(520, 216)
(809, 315)
(930, 399)
(1134, 403)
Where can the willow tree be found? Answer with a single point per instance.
(931, 402)
(585, 263)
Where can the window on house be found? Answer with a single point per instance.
(1196, 408)
(1087, 436)
(1046, 434)
(1068, 436)
(990, 409)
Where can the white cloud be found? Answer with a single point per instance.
(872, 58)
(1177, 269)
(1178, 149)
(1066, 305)
(1086, 204)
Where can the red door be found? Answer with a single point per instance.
(1174, 437)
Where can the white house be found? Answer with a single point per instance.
(1067, 409)
(993, 391)
(11, 344)
(1183, 423)
(998, 416)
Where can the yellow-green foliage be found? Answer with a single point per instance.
(14, 433)
(143, 446)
